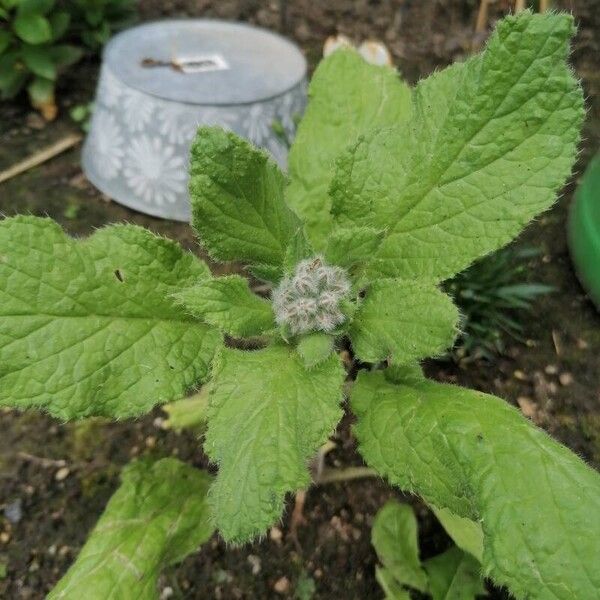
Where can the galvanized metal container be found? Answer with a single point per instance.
(160, 81)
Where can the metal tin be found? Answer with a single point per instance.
(160, 81)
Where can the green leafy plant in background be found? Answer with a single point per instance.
(95, 21)
(394, 190)
(33, 50)
(456, 573)
(493, 295)
(39, 39)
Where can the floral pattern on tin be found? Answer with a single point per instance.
(258, 123)
(137, 109)
(153, 170)
(179, 126)
(107, 144)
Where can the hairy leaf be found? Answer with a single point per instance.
(349, 246)
(156, 518)
(88, 327)
(229, 304)
(454, 575)
(394, 537)
(315, 348)
(538, 503)
(403, 321)
(348, 97)
(268, 415)
(491, 142)
(237, 200)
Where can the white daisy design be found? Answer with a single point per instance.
(153, 171)
(178, 125)
(110, 89)
(217, 116)
(258, 123)
(137, 110)
(106, 144)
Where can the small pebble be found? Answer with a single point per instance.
(282, 585)
(62, 474)
(4, 537)
(275, 534)
(528, 406)
(254, 563)
(565, 378)
(14, 511)
(166, 593)
(150, 441)
(518, 374)
(551, 369)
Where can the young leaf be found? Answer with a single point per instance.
(156, 518)
(491, 142)
(238, 208)
(349, 246)
(187, 413)
(467, 534)
(454, 575)
(229, 304)
(394, 537)
(315, 348)
(268, 415)
(89, 327)
(468, 452)
(348, 97)
(403, 321)
(392, 589)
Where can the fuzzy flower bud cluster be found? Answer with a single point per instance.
(310, 299)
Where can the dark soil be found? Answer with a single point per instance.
(554, 377)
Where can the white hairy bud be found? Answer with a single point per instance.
(310, 299)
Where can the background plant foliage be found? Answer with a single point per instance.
(411, 186)
(41, 38)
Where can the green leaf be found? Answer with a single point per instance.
(89, 327)
(394, 537)
(268, 416)
(39, 61)
(41, 91)
(403, 321)
(538, 503)
(491, 143)
(65, 55)
(32, 28)
(188, 413)
(155, 519)
(5, 40)
(59, 22)
(467, 534)
(13, 75)
(237, 200)
(298, 249)
(454, 575)
(229, 304)
(348, 246)
(392, 589)
(348, 97)
(35, 6)
(315, 348)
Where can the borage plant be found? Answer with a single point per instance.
(391, 191)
